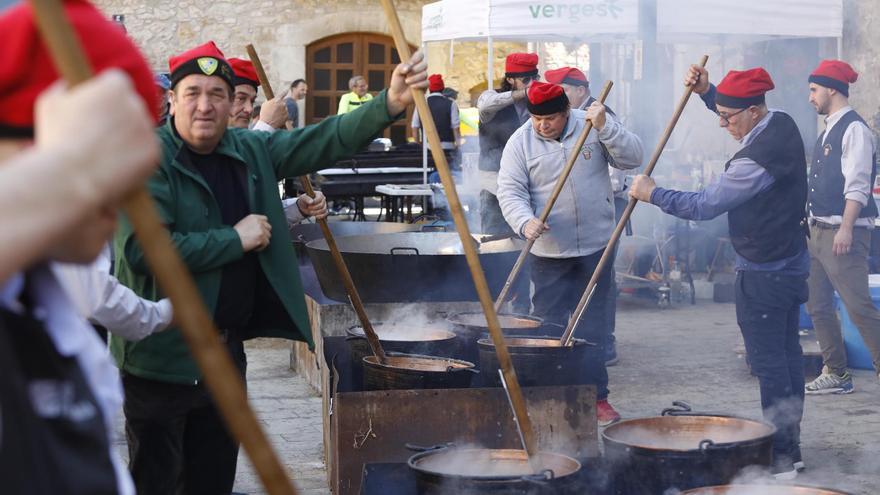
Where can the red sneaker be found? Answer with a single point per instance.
(605, 413)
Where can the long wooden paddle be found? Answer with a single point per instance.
(221, 376)
(347, 281)
(567, 335)
(554, 195)
(467, 241)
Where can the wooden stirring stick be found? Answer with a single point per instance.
(567, 335)
(467, 241)
(347, 281)
(221, 376)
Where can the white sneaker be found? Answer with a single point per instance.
(786, 475)
(830, 383)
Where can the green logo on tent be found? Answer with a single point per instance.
(208, 65)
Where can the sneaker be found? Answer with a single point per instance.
(610, 353)
(830, 383)
(784, 472)
(799, 465)
(605, 413)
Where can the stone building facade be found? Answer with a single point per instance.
(282, 31)
(279, 30)
(861, 48)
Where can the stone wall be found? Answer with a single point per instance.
(861, 48)
(280, 30)
(466, 72)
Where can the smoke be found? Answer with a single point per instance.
(411, 322)
(411, 316)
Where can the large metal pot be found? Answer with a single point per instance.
(303, 233)
(538, 361)
(471, 327)
(681, 450)
(411, 267)
(414, 371)
(470, 471)
(762, 490)
(433, 340)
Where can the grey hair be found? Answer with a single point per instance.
(354, 80)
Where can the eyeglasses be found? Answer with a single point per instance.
(528, 79)
(725, 119)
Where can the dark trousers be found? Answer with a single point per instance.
(177, 441)
(767, 308)
(559, 285)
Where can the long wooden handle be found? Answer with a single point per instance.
(467, 241)
(221, 376)
(568, 334)
(554, 195)
(347, 281)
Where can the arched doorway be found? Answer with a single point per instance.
(332, 61)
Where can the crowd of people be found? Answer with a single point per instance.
(216, 191)
(797, 238)
(211, 163)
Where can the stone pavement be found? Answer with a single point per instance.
(682, 353)
(687, 353)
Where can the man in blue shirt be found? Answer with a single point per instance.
(763, 189)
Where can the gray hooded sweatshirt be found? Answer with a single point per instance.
(583, 217)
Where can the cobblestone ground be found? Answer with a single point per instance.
(682, 353)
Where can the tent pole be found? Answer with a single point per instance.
(424, 143)
(490, 72)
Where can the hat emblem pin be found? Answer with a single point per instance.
(208, 65)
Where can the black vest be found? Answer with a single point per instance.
(771, 226)
(441, 111)
(63, 447)
(494, 135)
(826, 180)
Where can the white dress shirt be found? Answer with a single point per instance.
(100, 298)
(455, 121)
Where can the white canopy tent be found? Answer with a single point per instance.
(527, 20)
(478, 20)
(702, 22)
(722, 21)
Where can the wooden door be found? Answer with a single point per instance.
(332, 61)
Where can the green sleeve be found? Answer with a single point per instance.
(200, 251)
(318, 146)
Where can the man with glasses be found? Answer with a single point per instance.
(502, 112)
(763, 189)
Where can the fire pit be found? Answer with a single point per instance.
(414, 371)
(537, 361)
(762, 490)
(432, 340)
(448, 470)
(684, 450)
(471, 327)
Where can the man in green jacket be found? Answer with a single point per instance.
(216, 192)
